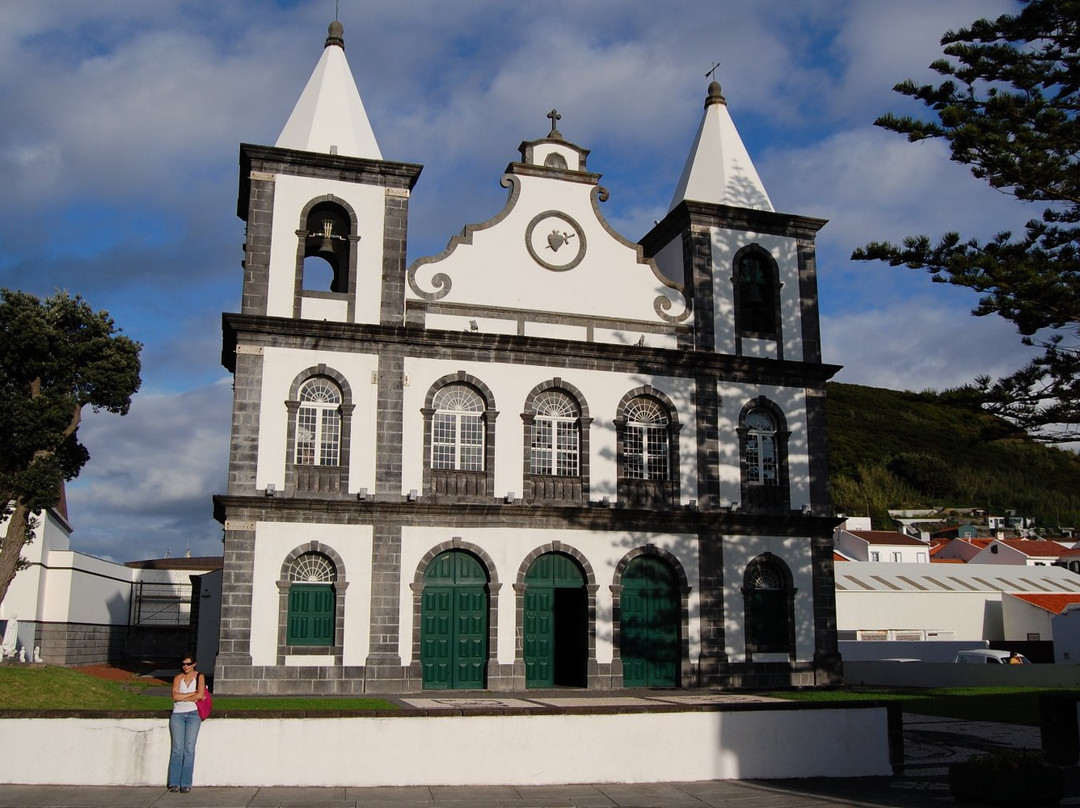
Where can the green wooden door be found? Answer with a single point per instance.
(311, 615)
(555, 641)
(453, 622)
(650, 622)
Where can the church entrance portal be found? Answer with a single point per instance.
(650, 622)
(555, 643)
(454, 622)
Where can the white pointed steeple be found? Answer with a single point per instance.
(719, 169)
(329, 117)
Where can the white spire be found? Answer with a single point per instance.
(719, 169)
(329, 117)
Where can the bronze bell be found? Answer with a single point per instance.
(326, 248)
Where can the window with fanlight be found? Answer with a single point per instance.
(769, 602)
(318, 424)
(312, 600)
(457, 429)
(555, 435)
(645, 444)
(762, 467)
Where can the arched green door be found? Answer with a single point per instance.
(454, 622)
(555, 641)
(650, 622)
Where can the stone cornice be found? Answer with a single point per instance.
(344, 509)
(262, 331)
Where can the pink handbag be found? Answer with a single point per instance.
(205, 704)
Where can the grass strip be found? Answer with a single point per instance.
(56, 688)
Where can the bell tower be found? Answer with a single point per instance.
(326, 215)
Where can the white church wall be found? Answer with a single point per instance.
(792, 402)
(507, 548)
(280, 367)
(725, 244)
(796, 553)
(510, 385)
(291, 195)
(274, 542)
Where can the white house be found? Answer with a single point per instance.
(548, 455)
(882, 546)
(1027, 552)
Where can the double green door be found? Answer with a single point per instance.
(555, 637)
(650, 623)
(454, 622)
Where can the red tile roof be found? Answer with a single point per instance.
(1031, 547)
(886, 537)
(1055, 604)
(947, 561)
(837, 557)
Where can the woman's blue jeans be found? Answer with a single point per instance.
(184, 729)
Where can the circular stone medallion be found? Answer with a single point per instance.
(555, 241)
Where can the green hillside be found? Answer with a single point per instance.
(889, 449)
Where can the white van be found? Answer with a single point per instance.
(988, 656)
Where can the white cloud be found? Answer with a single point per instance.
(151, 476)
(919, 344)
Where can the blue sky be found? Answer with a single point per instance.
(122, 123)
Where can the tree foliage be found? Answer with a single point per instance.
(1008, 109)
(57, 356)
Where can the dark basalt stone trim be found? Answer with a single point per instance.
(730, 218)
(564, 174)
(273, 160)
(258, 507)
(516, 349)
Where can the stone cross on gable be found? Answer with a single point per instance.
(555, 118)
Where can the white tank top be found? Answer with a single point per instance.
(186, 687)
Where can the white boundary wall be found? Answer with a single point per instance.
(456, 750)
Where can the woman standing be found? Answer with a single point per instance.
(188, 687)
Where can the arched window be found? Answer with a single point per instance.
(457, 429)
(459, 439)
(312, 601)
(769, 603)
(763, 440)
(555, 438)
(761, 457)
(647, 431)
(645, 447)
(318, 424)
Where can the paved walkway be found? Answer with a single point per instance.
(930, 745)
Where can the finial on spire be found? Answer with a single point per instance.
(555, 118)
(335, 35)
(715, 96)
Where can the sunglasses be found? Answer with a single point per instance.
(187, 664)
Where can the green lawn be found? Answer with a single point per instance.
(1008, 705)
(56, 688)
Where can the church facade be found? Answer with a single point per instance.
(547, 456)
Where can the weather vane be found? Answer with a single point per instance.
(712, 72)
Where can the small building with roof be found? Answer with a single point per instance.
(882, 546)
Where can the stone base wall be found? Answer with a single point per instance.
(80, 643)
